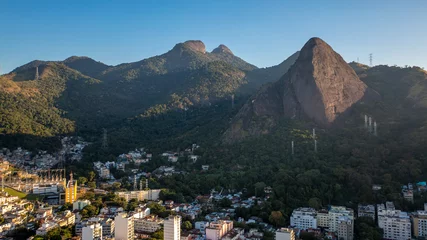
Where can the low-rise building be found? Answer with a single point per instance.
(147, 224)
(80, 204)
(366, 211)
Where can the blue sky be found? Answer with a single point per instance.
(263, 33)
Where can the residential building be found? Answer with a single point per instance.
(147, 224)
(420, 224)
(366, 211)
(304, 218)
(80, 204)
(92, 232)
(151, 194)
(124, 227)
(201, 225)
(172, 228)
(46, 227)
(104, 173)
(345, 228)
(217, 230)
(322, 218)
(108, 226)
(285, 234)
(395, 223)
(335, 212)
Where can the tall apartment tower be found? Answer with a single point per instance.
(172, 228)
(124, 227)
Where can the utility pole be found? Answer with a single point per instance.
(104, 140)
(232, 101)
(292, 146)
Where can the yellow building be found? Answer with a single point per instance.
(71, 190)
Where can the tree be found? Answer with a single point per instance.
(225, 203)
(82, 180)
(91, 176)
(276, 218)
(116, 185)
(91, 184)
(187, 225)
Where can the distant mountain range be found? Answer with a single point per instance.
(81, 92)
(314, 85)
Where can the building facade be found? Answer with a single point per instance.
(335, 212)
(285, 234)
(92, 232)
(217, 230)
(345, 228)
(366, 211)
(395, 223)
(124, 227)
(304, 218)
(172, 228)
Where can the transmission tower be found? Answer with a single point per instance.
(135, 186)
(232, 101)
(370, 59)
(104, 139)
(37, 73)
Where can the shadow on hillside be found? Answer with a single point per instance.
(30, 142)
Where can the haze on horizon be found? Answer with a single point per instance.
(262, 33)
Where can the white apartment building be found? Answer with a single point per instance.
(304, 218)
(345, 228)
(395, 223)
(124, 227)
(366, 211)
(285, 234)
(147, 224)
(335, 212)
(172, 228)
(92, 232)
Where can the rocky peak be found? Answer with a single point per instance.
(222, 49)
(194, 45)
(320, 86)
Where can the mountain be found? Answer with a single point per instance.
(86, 65)
(188, 55)
(260, 76)
(320, 87)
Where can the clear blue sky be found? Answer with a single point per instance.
(261, 32)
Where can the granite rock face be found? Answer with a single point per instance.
(320, 86)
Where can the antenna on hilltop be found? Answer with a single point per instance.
(37, 73)
(358, 59)
(370, 59)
